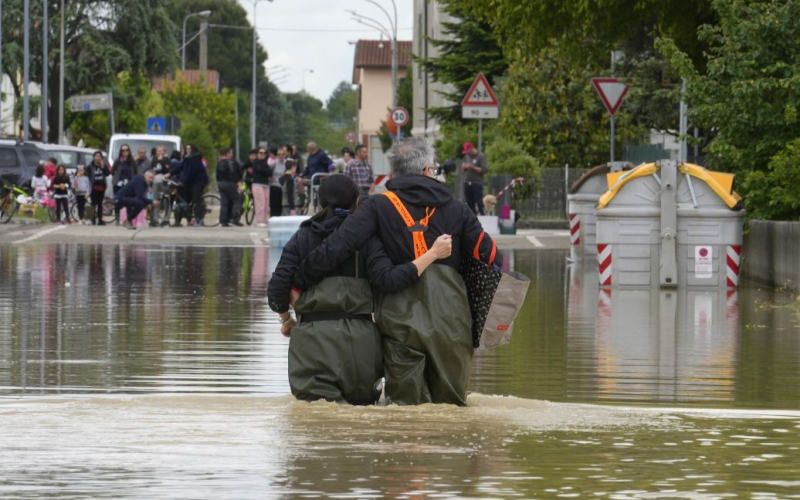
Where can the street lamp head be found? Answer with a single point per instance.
(204, 13)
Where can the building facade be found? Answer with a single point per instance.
(428, 23)
(372, 72)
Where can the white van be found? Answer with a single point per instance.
(135, 141)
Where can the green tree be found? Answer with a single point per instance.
(590, 28)
(747, 95)
(102, 39)
(509, 157)
(134, 101)
(550, 107)
(341, 105)
(230, 51)
(214, 110)
(469, 48)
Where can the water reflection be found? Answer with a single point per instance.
(575, 342)
(104, 318)
(159, 372)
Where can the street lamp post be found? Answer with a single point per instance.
(254, 91)
(45, 47)
(203, 13)
(61, 80)
(390, 32)
(26, 72)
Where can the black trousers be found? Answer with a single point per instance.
(133, 206)
(275, 201)
(81, 200)
(117, 208)
(230, 202)
(197, 198)
(97, 203)
(62, 204)
(473, 196)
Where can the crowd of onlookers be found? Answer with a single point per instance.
(279, 181)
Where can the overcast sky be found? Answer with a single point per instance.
(320, 42)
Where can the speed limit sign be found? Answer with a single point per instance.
(399, 116)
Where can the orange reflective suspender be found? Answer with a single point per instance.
(420, 246)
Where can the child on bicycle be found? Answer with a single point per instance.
(61, 186)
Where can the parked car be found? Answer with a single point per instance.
(18, 161)
(135, 141)
(70, 156)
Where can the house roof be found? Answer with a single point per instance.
(377, 54)
(189, 76)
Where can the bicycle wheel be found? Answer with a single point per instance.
(108, 211)
(8, 207)
(249, 211)
(212, 203)
(164, 209)
(73, 211)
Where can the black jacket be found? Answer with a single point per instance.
(192, 171)
(377, 216)
(98, 174)
(161, 166)
(371, 257)
(262, 172)
(229, 171)
(318, 163)
(135, 188)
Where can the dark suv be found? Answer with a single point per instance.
(18, 161)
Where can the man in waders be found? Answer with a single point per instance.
(426, 328)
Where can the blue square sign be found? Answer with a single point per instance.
(156, 125)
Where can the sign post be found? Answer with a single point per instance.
(612, 92)
(399, 117)
(480, 104)
(94, 102)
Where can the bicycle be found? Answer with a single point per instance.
(172, 201)
(248, 206)
(9, 205)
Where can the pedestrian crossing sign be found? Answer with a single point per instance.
(156, 125)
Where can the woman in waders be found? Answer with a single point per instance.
(335, 349)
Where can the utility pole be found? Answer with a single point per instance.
(1, 68)
(61, 79)
(45, 59)
(203, 48)
(26, 72)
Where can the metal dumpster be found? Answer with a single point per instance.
(582, 201)
(665, 224)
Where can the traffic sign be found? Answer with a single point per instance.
(350, 137)
(480, 93)
(480, 112)
(92, 102)
(612, 92)
(399, 116)
(156, 125)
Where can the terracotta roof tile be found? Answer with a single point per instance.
(189, 76)
(378, 54)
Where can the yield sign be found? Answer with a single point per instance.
(480, 93)
(611, 91)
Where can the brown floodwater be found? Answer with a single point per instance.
(154, 371)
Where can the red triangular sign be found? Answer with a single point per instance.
(612, 92)
(480, 93)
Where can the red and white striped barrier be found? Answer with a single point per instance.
(733, 259)
(574, 229)
(604, 264)
(518, 180)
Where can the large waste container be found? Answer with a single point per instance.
(582, 201)
(665, 224)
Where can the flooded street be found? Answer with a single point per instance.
(159, 371)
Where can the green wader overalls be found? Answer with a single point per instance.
(335, 350)
(427, 331)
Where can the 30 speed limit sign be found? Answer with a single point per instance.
(399, 116)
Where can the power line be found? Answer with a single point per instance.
(312, 30)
